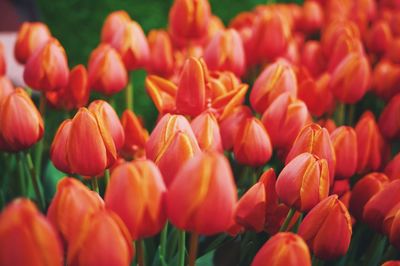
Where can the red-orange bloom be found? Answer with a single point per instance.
(312, 17)
(59, 147)
(27, 237)
(162, 92)
(392, 169)
(6, 87)
(283, 249)
(389, 122)
(113, 23)
(312, 58)
(391, 226)
(47, 68)
(136, 135)
(209, 192)
(145, 216)
(304, 182)
(385, 79)
(205, 128)
(379, 37)
(327, 229)
(161, 61)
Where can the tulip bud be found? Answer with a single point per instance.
(31, 37)
(283, 249)
(107, 73)
(136, 135)
(47, 68)
(385, 78)
(252, 145)
(205, 128)
(191, 93)
(344, 46)
(27, 238)
(334, 30)
(103, 239)
(225, 52)
(272, 82)
(392, 226)
(131, 44)
(392, 169)
(161, 61)
(370, 143)
(6, 87)
(209, 192)
(3, 66)
(379, 37)
(312, 17)
(379, 206)
(71, 203)
(145, 216)
(21, 125)
(59, 147)
(314, 139)
(344, 141)
(162, 92)
(284, 119)
(327, 229)
(113, 23)
(389, 124)
(312, 58)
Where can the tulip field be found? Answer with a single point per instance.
(272, 138)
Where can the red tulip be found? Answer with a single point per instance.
(329, 124)
(27, 237)
(389, 124)
(379, 37)
(47, 68)
(393, 52)
(145, 216)
(209, 192)
(312, 58)
(385, 78)
(113, 23)
(327, 229)
(205, 128)
(162, 92)
(392, 226)
(304, 182)
(59, 147)
(161, 61)
(136, 135)
(312, 17)
(6, 87)
(334, 30)
(283, 249)
(344, 46)
(392, 169)
(31, 37)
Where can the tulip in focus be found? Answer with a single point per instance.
(205, 128)
(136, 135)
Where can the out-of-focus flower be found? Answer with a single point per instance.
(47, 68)
(107, 73)
(391, 226)
(6, 87)
(162, 92)
(304, 182)
(385, 79)
(344, 46)
(161, 60)
(3, 65)
(392, 169)
(313, 59)
(389, 122)
(145, 216)
(329, 124)
(205, 128)
(379, 37)
(391, 263)
(31, 37)
(210, 192)
(112, 24)
(283, 249)
(327, 229)
(312, 17)
(136, 135)
(27, 237)
(393, 52)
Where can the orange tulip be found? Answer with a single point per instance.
(3, 66)
(107, 73)
(71, 203)
(112, 24)
(389, 124)
(161, 61)
(312, 58)
(344, 141)
(162, 92)
(131, 44)
(145, 216)
(392, 169)
(252, 144)
(344, 46)
(314, 139)
(274, 80)
(370, 143)
(75, 94)
(47, 68)
(27, 238)
(303, 182)
(283, 249)
(379, 37)
(31, 37)
(385, 78)
(21, 125)
(209, 192)
(225, 52)
(59, 147)
(327, 229)
(379, 206)
(6, 87)
(191, 93)
(136, 135)
(312, 17)
(205, 128)
(103, 240)
(284, 119)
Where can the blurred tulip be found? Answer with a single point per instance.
(303, 182)
(75, 94)
(385, 79)
(107, 117)
(145, 216)
(27, 237)
(315, 140)
(252, 144)
(131, 44)
(379, 37)
(21, 124)
(107, 73)
(391, 263)
(344, 46)
(3, 66)
(205, 128)
(334, 30)
(103, 240)
(225, 52)
(191, 93)
(31, 37)
(112, 24)
(370, 143)
(379, 206)
(327, 229)
(162, 92)
(344, 141)
(393, 52)
(274, 80)
(392, 226)
(71, 203)
(312, 17)
(392, 169)
(6, 87)
(286, 249)
(161, 61)
(136, 135)
(329, 124)
(47, 68)
(284, 119)
(312, 58)
(389, 124)
(209, 192)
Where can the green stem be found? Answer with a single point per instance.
(194, 242)
(181, 248)
(376, 249)
(21, 174)
(129, 93)
(95, 184)
(341, 114)
(163, 244)
(107, 176)
(140, 252)
(287, 220)
(350, 115)
(35, 181)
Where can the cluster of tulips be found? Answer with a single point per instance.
(275, 142)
